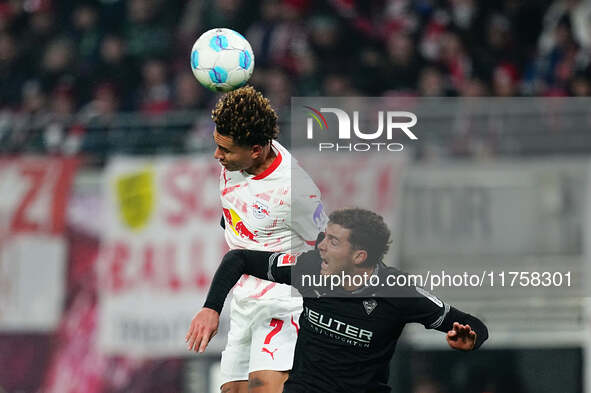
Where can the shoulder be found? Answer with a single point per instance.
(280, 148)
(397, 284)
(302, 183)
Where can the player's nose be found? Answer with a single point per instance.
(322, 245)
(218, 155)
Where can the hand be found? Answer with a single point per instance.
(461, 337)
(203, 327)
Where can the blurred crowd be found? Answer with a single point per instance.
(93, 59)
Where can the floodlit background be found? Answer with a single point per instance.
(109, 210)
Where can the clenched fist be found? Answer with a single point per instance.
(461, 337)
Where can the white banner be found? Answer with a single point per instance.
(162, 243)
(32, 271)
(32, 248)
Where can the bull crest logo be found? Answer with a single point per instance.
(135, 196)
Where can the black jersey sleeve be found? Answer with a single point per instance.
(234, 264)
(277, 267)
(419, 305)
(281, 267)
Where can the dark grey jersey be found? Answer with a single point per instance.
(346, 339)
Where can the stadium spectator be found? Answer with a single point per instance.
(62, 103)
(114, 66)
(579, 86)
(154, 95)
(279, 38)
(577, 12)
(104, 105)
(337, 85)
(308, 40)
(38, 30)
(431, 83)
(33, 116)
(57, 64)
(145, 32)
(333, 48)
(505, 81)
(401, 69)
(474, 87)
(278, 89)
(308, 77)
(86, 34)
(188, 95)
(11, 76)
(455, 61)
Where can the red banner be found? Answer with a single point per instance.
(34, 193)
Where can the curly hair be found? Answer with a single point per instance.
(246, 116)
(368, 232)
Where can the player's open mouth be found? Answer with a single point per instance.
(324, 265)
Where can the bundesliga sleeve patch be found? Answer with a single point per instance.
(286, 260)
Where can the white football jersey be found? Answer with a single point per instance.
(258, 216)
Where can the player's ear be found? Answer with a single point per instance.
(256, 151)
(359, 257)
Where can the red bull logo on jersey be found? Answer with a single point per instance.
(235, 223)
(260, 210)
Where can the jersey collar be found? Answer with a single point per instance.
(271, 168)
(376, 272)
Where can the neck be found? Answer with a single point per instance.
(362, 272)
(263, 162)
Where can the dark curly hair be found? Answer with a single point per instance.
(369, 232)
(246, 116)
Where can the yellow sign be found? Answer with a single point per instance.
(135, 194)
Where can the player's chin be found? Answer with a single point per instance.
(229, 167)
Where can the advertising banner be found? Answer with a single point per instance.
(32, 247)
(162, 243)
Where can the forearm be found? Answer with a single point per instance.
(228, 273)
(455, 315)
(234, 264)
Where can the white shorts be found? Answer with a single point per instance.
(262, 336)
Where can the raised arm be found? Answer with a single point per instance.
(234, 264)
(465, 332)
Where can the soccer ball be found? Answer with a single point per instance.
(222, 60)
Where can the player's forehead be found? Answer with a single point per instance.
(338, 232)
(227, 142)
(223, 140)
